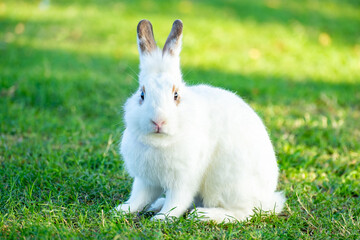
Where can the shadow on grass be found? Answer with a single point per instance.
(277, 90)
(52, 79)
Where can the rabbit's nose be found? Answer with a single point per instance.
(159, 123)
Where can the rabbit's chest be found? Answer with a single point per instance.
(165, 167)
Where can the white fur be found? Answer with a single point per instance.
(214, 147)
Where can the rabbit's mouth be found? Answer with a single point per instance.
(158, 133)
(160, 139)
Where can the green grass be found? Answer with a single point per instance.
(65, 73)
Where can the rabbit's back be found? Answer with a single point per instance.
(243, 156)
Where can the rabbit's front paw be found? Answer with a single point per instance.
(158, 217)
(123, 208)
(163, 217)
(199, 214)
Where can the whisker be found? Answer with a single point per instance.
(133, 70)
(187, 72)
(132, 77)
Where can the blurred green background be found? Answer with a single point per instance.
(66, 68)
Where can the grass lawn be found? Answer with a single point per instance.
(67, 67)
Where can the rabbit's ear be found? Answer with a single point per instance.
(145, 37)
(173, 43)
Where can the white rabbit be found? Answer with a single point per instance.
(193, 143)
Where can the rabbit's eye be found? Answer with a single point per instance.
(142, 95)
(175, 96)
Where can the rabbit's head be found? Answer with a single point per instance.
(152, 113)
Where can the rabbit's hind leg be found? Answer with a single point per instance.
(220, 215)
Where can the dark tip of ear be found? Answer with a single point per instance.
(178, 21)
(178, 27)
(143, 26)
(172, 42)
(146, 36)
